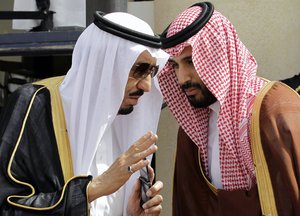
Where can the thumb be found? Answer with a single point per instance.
(136, 189)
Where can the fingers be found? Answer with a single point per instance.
(151, 174)
(154, 205)
(155, 189)
(137, 166)
(140, 150)
(144, 143)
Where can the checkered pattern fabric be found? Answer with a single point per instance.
(228, 70)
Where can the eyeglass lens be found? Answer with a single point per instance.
(143, 70)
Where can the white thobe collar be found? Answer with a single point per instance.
(213, 146)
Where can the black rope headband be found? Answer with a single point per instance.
(126, 33)
(192, 29)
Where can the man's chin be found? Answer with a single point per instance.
(196, 104)
(125, 111)
(200, 104)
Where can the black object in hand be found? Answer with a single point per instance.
(145, 184)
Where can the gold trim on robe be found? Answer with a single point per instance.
(264, 184)
(59, 124)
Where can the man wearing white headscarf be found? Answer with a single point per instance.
(227, 115)
(73, 145)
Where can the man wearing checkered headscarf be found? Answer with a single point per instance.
(225, 113)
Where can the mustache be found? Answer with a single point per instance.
(188, 85)
(137, 93)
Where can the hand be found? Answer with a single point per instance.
(152, 206)
(117, 174)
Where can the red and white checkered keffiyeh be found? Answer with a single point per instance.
(228, 70)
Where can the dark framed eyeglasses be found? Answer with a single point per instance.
(143, 70)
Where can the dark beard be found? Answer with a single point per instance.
(200, 104)
(126, 111)
(137, 93)
(209, 97)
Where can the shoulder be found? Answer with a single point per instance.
(37, 94)
(278, 92)
(25, 92)
(22, 98)
(277, 97)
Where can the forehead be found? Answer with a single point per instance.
(146, 57)
(186, 53)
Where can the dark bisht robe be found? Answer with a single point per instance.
(32, 178)
(279, 133)
(276, 112)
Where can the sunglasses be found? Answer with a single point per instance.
(143, 70)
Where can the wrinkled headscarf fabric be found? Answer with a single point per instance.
(228, 70)
(93, 90)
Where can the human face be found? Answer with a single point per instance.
(139, 81)
(197, 93)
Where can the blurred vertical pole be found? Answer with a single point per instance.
(106, 6)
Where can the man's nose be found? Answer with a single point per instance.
(182, 75)
(145, 84)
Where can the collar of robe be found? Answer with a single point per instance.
(126, 33)
(192, 29)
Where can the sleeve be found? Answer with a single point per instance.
(31, 178)
(280, 136)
